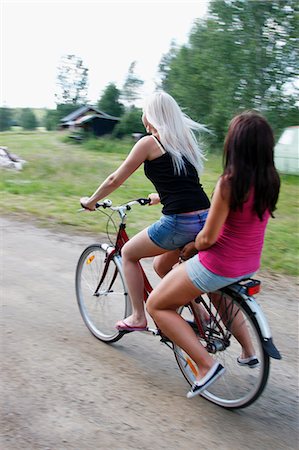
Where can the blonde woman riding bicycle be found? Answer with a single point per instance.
(172, 159)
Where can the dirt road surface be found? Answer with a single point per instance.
(63, 389)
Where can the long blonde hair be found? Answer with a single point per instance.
(175, 130)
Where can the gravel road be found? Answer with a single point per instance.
(62, 389)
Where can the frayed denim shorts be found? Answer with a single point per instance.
(176, 230)
(205, 280)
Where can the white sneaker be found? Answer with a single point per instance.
(215, 372)
(251, 362)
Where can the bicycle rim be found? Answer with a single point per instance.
(101, 306)
(239, 386)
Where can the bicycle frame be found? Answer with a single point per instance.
(213, 317)
(121, 238)
(235, 289)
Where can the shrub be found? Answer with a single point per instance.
(129, 123)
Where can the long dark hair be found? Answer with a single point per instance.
(248, 161)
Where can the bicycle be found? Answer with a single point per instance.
(103, 299)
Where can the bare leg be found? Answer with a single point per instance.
(201, 312)
(176, 290)
(164, 263)
(140, 246)
(238, 327)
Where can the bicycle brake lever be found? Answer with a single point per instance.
(144, 201)
(106, 203)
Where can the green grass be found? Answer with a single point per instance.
(59, 172)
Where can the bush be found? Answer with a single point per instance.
(50, 120)
(5, 119)
(28, 120)
(129, 123)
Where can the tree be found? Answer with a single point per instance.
(28, 120)
(50, 120)
(165, 64)
(131, 86)
(63, 110)
(261, 36)
(130, 123)
(109, 101)
(243, 55)
(5, 118)
(72, 80)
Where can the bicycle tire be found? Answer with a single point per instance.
(100, 310)
(239, 386)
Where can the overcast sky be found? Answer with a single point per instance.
(107, 35)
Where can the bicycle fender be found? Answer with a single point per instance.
(257, 311)
(268, 343)
(259, 316)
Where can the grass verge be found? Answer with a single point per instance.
(57, 174)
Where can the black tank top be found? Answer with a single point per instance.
(179, 193)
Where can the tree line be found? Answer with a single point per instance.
(242, 55)
(23, 117)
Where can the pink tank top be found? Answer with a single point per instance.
(238, 249)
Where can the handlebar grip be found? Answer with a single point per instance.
(144, 201)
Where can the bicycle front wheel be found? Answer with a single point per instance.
(223, 328)
(101, 292)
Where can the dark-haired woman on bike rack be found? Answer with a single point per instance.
(230, 244)
(172, 159)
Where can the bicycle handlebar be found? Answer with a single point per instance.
(108, 204)
(125, 207)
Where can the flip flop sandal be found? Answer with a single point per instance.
(121, 325)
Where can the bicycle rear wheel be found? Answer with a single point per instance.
(240, 386)
(102, 297)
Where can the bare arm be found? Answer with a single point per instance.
(136, 157)
(217, 215)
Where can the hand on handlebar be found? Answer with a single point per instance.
(87, 204)
(154, 198)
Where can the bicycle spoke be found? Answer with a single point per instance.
(101, 293)
(240, 385)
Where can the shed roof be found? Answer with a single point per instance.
(90, 117)
(84, 109)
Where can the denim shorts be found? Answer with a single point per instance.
(176, 230)
(205, 280)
